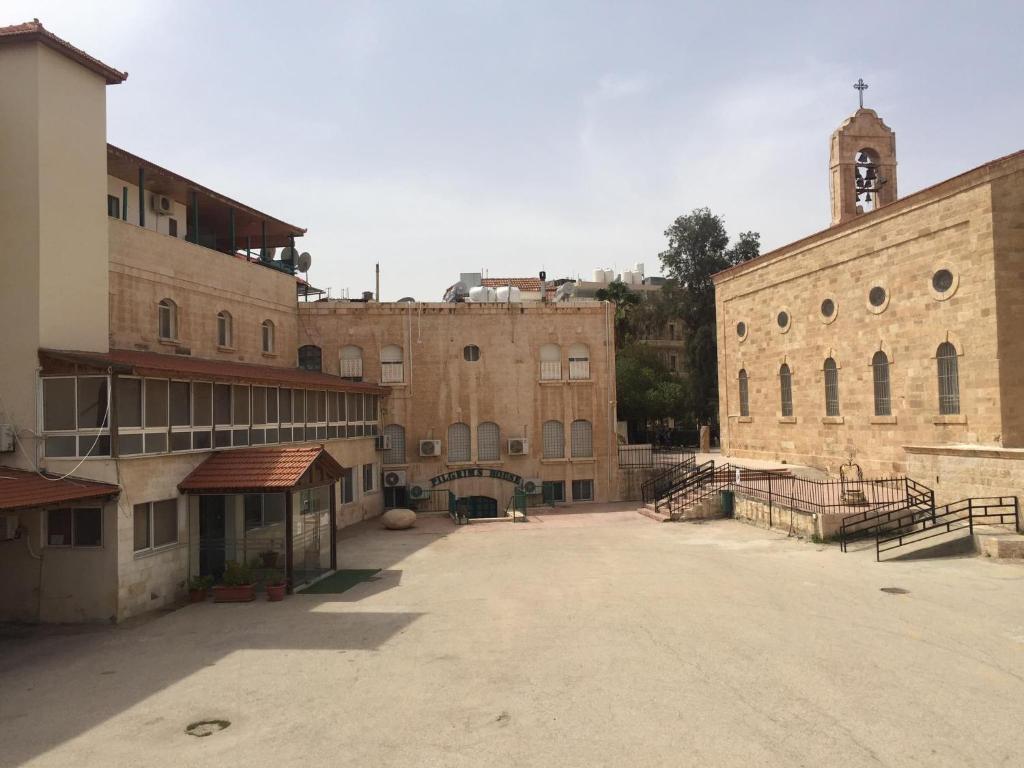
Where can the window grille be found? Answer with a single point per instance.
(488, 441)
(582, 439)
(880, 375)
(744, 394)
(310, 357)
(391, 368)
(579, 362)
(554, 440)
(831, 388)
(949, 379)
(550, 362)
(582, 490)
(352, 363)
(786, 390)
(396, 453)
(458, 442)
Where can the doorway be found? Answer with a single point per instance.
(481, 506)
(212, 535)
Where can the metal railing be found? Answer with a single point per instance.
(919, 500)
(663, 483)
(680, 490)
(579, 370)
(551, 370)
(960, 515)
(391, 373)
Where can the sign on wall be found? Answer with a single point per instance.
(482, 472)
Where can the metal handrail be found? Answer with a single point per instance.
(949, 518)
(695, 476)
(664, 482)
(919, 499)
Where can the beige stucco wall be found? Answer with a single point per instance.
(898, 248)
(146, 266)
(441, 388)
(159, 224)
(960, 472)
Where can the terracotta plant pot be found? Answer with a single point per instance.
(241, 594)
(197, 595)
(275, 592)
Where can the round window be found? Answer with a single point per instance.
(741, 329)
(942, 280)
(471, 353)
(877, 296)
(828, 308)
(782, 319)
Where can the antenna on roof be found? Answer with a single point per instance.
(303, 261)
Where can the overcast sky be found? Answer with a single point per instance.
(438, 137)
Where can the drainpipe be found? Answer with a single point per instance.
(142, 196)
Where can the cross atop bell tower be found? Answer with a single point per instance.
(862, 164)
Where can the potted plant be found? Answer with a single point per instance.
(236, 584)
(198, 586)
(268, 558)
(276, 586)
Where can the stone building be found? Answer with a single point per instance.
(893, 336)
(167, 405)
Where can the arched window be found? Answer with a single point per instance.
(268, 336)
(488, 441)
(880, 376)
(310, 357)
(949, 379)
(554, 440)
(582, 434)
(167, 319)
(352, 363)
(471, 353)
(744, 394)
(391, 368)
(550, 362)
(786, 390)
(579, 362)
(831, 388)
(458, 442)
(225, 329)
(396, 453)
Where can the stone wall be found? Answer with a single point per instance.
(960, 472)
(898, 248)
(807, 525)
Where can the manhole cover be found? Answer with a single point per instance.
(206, 727)
(896, 590)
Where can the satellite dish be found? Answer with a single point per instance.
(267, 254)
(407, 300)
(304, 261)
(289, 255)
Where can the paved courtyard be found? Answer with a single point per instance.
(587, 639)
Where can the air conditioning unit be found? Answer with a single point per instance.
(518, 446)
(533, 486)
(430, 447)
(382, 442)
(394, 478)
(162, 205)
(8, 527)
(417, 492)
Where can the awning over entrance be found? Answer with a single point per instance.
(22, 489)
(262, 470)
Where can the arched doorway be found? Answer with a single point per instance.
(477, 506)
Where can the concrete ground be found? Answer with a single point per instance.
(586, 639)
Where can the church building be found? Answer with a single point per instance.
(893, 336)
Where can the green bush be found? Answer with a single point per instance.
(200, 582)
(236, 574)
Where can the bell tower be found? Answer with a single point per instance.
(862, 163)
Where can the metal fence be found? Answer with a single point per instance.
(647, 456)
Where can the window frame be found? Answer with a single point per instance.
(785, 391)
(947, 368)
(225, 330)
(579, 367)
(151, 547)
(490, 455)
(82, 435)
(351, 367)
(544, 439)
(398, 446)
(461, 429)
(168, 306)
(550, 364)
(743, 381)
(831, 381)
(585, 437)
(267, 337)
(72, 513)
(589, 496)
(471, 353)
(370, 472)
(881, 385)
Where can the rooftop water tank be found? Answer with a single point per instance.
(481, 294)
(598, 275)
(508, 294)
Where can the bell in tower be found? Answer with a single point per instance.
(862, 165)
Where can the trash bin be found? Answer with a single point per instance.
(728, 503)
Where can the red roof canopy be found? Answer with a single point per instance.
(256, 470)
(522, 283)
(23, 489)
(184, 366)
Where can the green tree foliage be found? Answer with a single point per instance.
(647, 390)
(698, 247)
(626, 302)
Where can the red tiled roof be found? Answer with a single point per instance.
(185, 366)
(22, 489)
(258, 469)
(34, 31)
(522, 283)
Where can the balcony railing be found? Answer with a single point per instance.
(579, 370)
(392, 373)
(551, 370)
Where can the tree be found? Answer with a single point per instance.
(698, 247)
(647, 391)
(625, 302)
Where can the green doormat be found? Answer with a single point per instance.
(340, 581)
